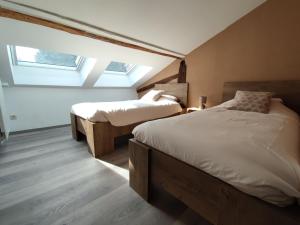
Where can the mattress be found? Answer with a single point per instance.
(123, 113)
(256, 153)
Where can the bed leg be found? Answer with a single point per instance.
(139, 169)
(100, 139)
(75, 133)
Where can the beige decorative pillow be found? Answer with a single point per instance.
(252, 101)
(152, 95)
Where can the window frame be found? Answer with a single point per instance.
(120, 73)
(16, 62)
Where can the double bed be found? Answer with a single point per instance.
(102, 122)
(231, 167)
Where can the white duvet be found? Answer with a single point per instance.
(126, 112)
(257, 153)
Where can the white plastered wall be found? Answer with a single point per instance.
(4, 122)
(36, 107)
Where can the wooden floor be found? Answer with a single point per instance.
(48, 178)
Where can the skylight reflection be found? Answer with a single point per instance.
(26, 54)
(119, 68)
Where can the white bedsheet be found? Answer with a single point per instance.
(126, 112)
(257, 153)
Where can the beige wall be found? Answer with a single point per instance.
(263, 45)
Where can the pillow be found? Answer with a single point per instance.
(277, 107)
(252, 101)
(152, 95)
(277, 100)
(170, 97)
(227, 105)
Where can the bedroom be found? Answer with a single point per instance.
(204, 53)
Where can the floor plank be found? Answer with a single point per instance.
(47, 178)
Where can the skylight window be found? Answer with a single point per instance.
(25, 56)
(119, 68)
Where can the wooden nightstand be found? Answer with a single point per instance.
(193, 109)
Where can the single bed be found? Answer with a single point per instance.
(102, 122)
(226, 188)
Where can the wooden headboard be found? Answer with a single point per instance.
(288, 90)
(180, 90)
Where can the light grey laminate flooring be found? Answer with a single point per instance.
(46, 177)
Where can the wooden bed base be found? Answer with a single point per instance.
(215, 200)
(100, 136)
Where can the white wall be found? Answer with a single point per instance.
(26, 75)
(4, 123)
(37, 107)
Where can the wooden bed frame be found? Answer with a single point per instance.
(101, 136)
(215, 200)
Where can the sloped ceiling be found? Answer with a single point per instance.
(177, 25)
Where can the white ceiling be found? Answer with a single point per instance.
(177, 25)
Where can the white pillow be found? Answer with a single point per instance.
(152, 95)
(277, 100)
(278, 108)
(227, 104)
(169, 97)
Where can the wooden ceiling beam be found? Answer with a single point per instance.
(11, 14)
